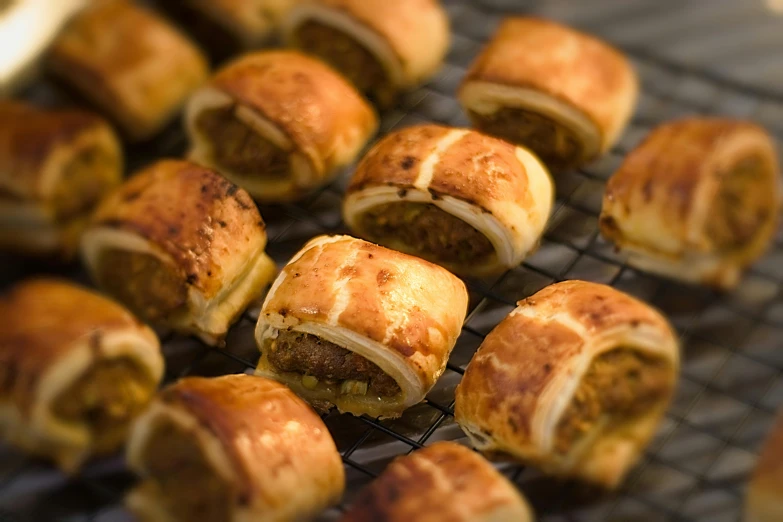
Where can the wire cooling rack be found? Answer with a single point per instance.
(732, 369)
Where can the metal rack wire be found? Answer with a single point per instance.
(732, 377)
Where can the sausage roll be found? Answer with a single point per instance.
(54, 167)
(574, 380)
(764, 501)
(180, 246)
(444, 481)
(473, 204)
(355, 325)
(250, 23)
(278, 123)
(382, 47)
(75, 370)
(129, 63)
(564, 94)
(698, 200)
(232, 448)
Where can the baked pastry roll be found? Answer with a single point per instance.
(473, 204)
(236, 447)
(382, 47)
(568, 101)
(129, 63)
(251, 23)
(698, 200)
(75, 370)
(574, 381)
(444, 481)
(182, 247)
(278, 123)
(764, 501)
(355, 325)
(55, 165)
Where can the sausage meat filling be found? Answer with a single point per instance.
(349, 57)
(621, 384)
(82, 184)
(319, 361)
(557, 146)
(240, 149)
(143, 283)
(427, 231)
(743, 204)
(181, 477)
(107, 397)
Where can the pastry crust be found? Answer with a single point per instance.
(409, 38)
(399, 312)
(205, 229)
(258, 436)
(44, 204)
(526, 372)
(140, 86)
(664, 202)
(502, 191)
(573, 78)
(764, 502)
(46, 345)
(263, 90)
(444, 481)
(252, 22)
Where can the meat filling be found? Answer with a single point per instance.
(240, 149)
(621, 384)
(557, 146)
(82, 184)
(427, 231)
(106, 398)
(743, 204)
(182, 478)
(143, 283)
(319, 360)
(349, 57)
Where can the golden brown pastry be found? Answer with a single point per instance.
(574, 381)
(278, 123)
(75, 370)
(55, 165)
(698, 200)
(182, 247)
(382, 47)
(444, 481)
(764, 501)
(564, 94)
(355, 325)
(236, 448)
(473, 204)
(251, 23)
(130, 63)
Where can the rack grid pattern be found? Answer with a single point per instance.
(732, 375)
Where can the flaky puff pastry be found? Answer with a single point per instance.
(764, 500)
(500, 194)
(181, 246)
(236, 448)
(251, 22)
(75, 369)
(399, 312)
(405, 40)
(55, 165)
(444, 481)
(698, 200)
(130, 63)
(564, 81)
(278, 123)
(531, 369)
